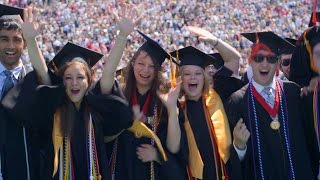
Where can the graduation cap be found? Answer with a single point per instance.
(288, 46)
(10, 10)
(70, 51)
(292, 41)
(219, 62)
(313, 35)
(317, 18)
(268, 38)
(192, 56)
(154, 49)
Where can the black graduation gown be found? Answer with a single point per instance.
(14, 155)
(273, 151)
(225, 86)
(129, 167)
(110, 115)
(200, 130)
(311, 137)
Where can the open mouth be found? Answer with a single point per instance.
(145, 77)
(75, 91)
(10, 53)
(264, 73)
(193, 86)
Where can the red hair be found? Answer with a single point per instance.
(257, 47)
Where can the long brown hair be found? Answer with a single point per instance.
(67, 109)
(158, 82)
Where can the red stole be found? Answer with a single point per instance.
(272, 111)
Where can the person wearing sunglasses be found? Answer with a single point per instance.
(285, 58)
(269, 109)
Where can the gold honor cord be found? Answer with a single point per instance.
(141, 130)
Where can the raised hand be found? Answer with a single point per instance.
(127, 18)
(203, 34)
(147, 153)
(170, 99)
(240, 135)
(29, 26)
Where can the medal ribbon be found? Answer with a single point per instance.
(274, 111)
(145, 105)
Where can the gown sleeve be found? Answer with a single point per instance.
(114, 112)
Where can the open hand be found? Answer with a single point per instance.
(29, 26)
(170, 99)
(127, 18)
(203, 34)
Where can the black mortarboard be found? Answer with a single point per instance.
(268, 38)
(219, 62)
(192, 56)
(313, 35)
(288, 46)
(154, 49)
(222, 70)
(70, 51)
(317, 19)
(10, 10)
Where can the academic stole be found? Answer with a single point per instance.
(271, 111)
(63, 152)
(316, 114)
(220, 136)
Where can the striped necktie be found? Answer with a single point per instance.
(8, 83)
(268, 95)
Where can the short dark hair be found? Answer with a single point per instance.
(9, 24)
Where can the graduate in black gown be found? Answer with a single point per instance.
(74, 121)
(224, 71)
(310, 46)
(211, 154)
(18, 153)
(137, 158)
(271, 109)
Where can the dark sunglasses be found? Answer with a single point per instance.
(270, 59)
(286, 62)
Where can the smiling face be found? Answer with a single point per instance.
(193, 79)
(76, 81)
(11, 47)
(263, 72)
(285, 64)
(144, 70)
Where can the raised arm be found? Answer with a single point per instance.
(173, 132)
(29, 30)
(126, 23)
(229, 54)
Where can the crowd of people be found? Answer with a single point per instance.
(200, 120)
(91, 23)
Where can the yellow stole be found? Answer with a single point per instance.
(220, 123)
(57, 139)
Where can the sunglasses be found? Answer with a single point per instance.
(286, 62)
(270, 59)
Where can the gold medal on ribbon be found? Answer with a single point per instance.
(275, 124)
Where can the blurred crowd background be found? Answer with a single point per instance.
(90, 23)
